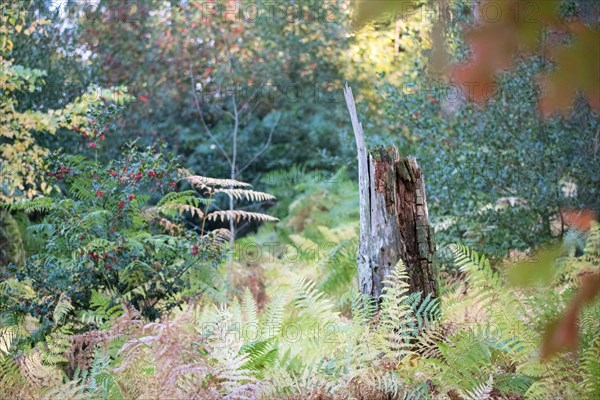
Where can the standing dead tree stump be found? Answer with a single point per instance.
(394, 222)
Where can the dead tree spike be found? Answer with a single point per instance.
(394, 220)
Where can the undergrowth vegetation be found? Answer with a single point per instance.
(179, 208)
(481, 339)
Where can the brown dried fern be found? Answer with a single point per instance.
(203, 182)
(238, 215)
(245, 194)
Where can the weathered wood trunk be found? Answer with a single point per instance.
(398, 224)
(394, 223)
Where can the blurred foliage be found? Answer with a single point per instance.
(188, 67)
(499, 32)
(558, 30)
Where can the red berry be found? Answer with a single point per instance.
(121, 204)
(172, 184)
(131, 197)
(109, 267)
(151, 173)
(99, 193)
(102, 137)
(59, 176)
(112, 173)
(432, 100)
(93, 145)
(195, 250)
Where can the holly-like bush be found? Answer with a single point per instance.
(108, 231)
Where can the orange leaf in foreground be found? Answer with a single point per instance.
(475, 80)
(576, 69)
(578, 219)
(564, 333)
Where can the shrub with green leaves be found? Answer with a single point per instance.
(103, 233)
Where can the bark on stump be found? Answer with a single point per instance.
(394, 224)
(397, 225)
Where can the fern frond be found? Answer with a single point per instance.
(72, 390)
(540, 390)
(98, 245)
(396, 316)
(364, 308)
(245, 194)
(185, 197)
(590, 366)
(202, 182)
(8, 334)
(592, 245)
(180, 209)
(178, 203)
(238, 215)
(36, 205)
(249, 308)
(37, 373)
(484, 282)
(466, 361)
(273, 317)
(311, 302)
(482, 392)
(220, 236)
(10, 376)
(168, 226)
(54, 349)
(11, 240)
(428, 340)
(82, 189)
(340, 264)
(102, 310)
(261, 354)
(236, 382)
(426, 311)
(62, 308)
(95, 218)
(101, 381)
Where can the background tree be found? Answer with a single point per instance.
(285, 63)
(33, 113)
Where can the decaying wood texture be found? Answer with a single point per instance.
(394, 222)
